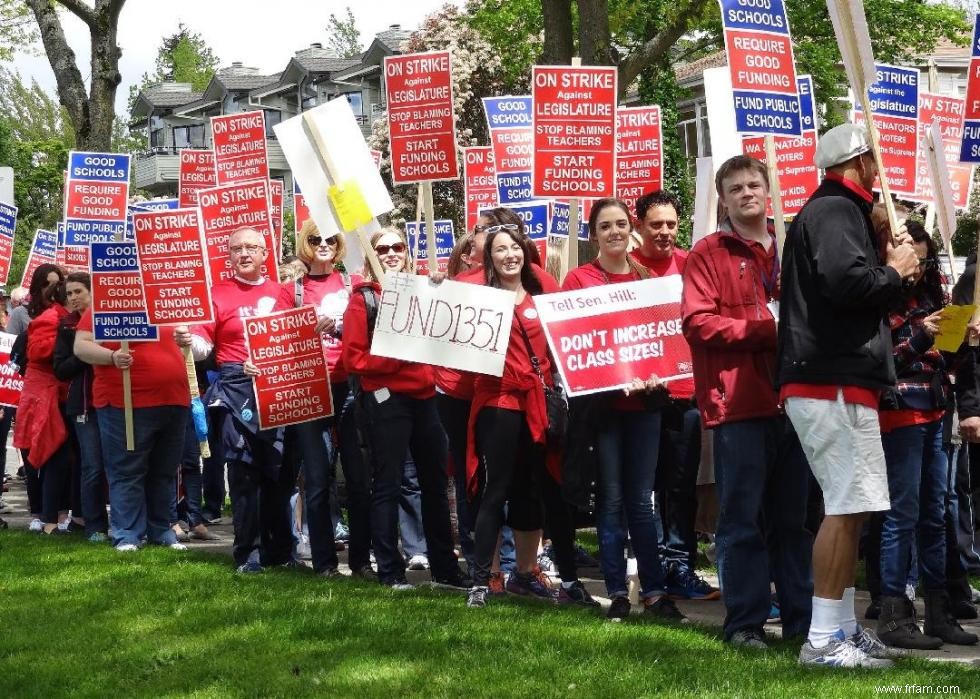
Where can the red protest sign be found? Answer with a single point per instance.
(574, 131)
(639, 153)
(74, 258)
(239, 147)
(376, 157)
(173, 268)
(949, 112)
(11, 382)
(276, 195)
(603, 337)
(196, 173)
(479, 182)
(226, 209)
(96, 200)
(293, 385)
(419, 88)
(44, 249)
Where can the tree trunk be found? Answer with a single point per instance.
(593, 32)
(559, 43)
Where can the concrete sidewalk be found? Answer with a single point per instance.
(702, 613)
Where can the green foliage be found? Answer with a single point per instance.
(965, 237)
(183, 57)
(343, 36)
(17, 28)
(515, 30)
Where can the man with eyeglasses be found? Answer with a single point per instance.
(259, 486)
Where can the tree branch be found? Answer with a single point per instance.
(653, 49)
(77, 8)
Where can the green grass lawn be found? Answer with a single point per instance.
(86, 621)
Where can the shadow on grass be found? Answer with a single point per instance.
(88, 621)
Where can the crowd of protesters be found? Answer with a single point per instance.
(830, 414)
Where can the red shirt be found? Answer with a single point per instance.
(158, 374)
(233, 300)
(852, 394)
(662, 267)
(329, 295)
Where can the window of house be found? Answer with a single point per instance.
(272, 117)
(355, 102)
(189, 136)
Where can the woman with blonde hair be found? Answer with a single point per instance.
(397, 401)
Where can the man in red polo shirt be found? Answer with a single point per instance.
(729, 319)
(835, 358)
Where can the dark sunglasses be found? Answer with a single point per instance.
(385, 249)
(316, 241)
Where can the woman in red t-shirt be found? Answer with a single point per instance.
(397, 401)
(328, 290)
(625, 427)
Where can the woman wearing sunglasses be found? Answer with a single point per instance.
(911, 419)
(327, 289)
(624, 427)
(508, 461)
(397, 402)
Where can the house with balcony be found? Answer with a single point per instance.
(172, 116)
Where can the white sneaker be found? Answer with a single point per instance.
(63, 526)
(177, 546)
(36, 525)
(126, 548)
(840, 652)
(418, 562)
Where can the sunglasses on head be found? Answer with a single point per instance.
(503, 228)
(316, 241)
(385, 249)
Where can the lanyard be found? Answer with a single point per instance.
(605, 276)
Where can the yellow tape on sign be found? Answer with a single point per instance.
(952, 327)
(352, 210)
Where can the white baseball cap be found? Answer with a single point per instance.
(840, 144)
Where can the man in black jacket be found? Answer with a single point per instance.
(834, 359)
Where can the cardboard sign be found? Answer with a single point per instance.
(419, 87)
(173, 267)
(603, 337)
(226, 209)
(444, 243)
(301, 211)
(510, 122)
(559, 216)
(760, 59)
(239, 147)
(970, 148)
(277, 192)
(8, 227)
(461, 326)
(118, 303)
(196, 173)
(798, 176)
(948, 112)
(536, 224)
(895, 105)
(11, 382)
(44, 250)
(940, 181)
(574, 131)
(293, 386)
(95, 197)
(639, 153)
(479, 182)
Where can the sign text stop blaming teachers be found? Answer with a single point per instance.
(574, 131)
(456, 325)
(605, 336)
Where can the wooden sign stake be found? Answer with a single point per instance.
(775, 194)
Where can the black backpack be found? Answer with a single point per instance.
(18, 352)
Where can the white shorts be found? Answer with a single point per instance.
(842, 443)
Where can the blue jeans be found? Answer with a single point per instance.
(312, 446)
(762, 478)
(918, 477)
(628, 445)
(93, 474)
(190, 475)
(680, 458)
(410, 512)
(142, 481)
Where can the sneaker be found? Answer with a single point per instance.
(293, 564)
(418, 562)
(97, 538)
(684, 584)
(546, 563)
(619, 609)
(477, 597)
(177, 546)
(36, 525)
(456, 579)
(528, 585)
(400, 585)
(840, 652)
(576, 594)
(497, 583)
(329, 573)
(543, 578)
(749, 638)
(867, 640)
(364, 573)
(126, 548)
(202, 533)
(250, 566)
(663, 607)
(341, 532)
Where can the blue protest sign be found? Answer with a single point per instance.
(95, 197)
(511, 137)
(118, 304)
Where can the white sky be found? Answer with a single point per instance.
(260, 33)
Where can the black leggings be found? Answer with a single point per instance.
(512, 472)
